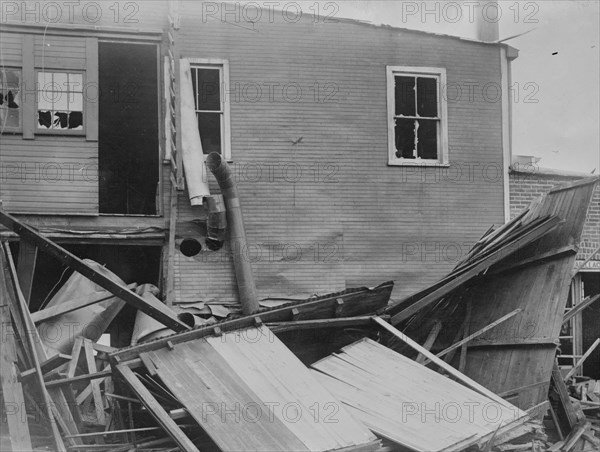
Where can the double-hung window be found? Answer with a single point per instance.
(417, 116)
(209, 81)
(59, 101)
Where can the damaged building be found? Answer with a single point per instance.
(201, 213)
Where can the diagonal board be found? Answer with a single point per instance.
(249, 392)
(408, 403)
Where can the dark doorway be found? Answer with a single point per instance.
(128, 128)
(591, 324)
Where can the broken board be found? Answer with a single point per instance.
(249, 392)
(410, 404)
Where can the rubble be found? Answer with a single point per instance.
(418, 374)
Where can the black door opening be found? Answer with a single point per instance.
(128, 128)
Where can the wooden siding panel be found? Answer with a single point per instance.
(49, 175)
(11, 53)
(378, 213)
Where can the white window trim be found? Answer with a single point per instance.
(226, 127)
(442, 159)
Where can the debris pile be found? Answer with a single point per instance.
(453, 367)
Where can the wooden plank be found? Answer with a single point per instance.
(94, 383)
(445, 366)
(356, 301)
(170, 292)
(91, 103)
(535, 260)
(155, 409)
(26, 267)
(587, 301)
(11, 292)
(300, 325)
(476, 268)
(566, 409)
(50, 364)
(158, 311)
(479, 332)
(78, 378)
(582, 359)
(462, 362)
(12, 391)
(72, 305)
(433, 334)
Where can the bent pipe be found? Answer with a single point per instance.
(237, 233)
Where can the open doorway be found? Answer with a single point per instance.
(128, 128)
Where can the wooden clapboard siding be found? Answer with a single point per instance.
(59, 52)
(11, 51)
(372, 210)
(50, 174)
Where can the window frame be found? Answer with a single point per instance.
(414, 71)
(223, 66)
(74, 132)
(19, 129)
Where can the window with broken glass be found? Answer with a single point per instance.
(417, 123)
(59, 101)
(210, 113)
(10, 100)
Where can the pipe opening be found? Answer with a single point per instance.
(190, 247)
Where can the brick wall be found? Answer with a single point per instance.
(527, 186)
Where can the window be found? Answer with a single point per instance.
(10, 100)
(212, 109)
(417, 116)
(59, 101)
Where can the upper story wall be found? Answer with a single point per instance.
(46, 171)
(526, 186)
(309, 144)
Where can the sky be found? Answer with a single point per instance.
(556, 78)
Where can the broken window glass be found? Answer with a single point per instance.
(405, 96)
(60, 101)
(416, 118)
(206, 82)
(427, 97)
(10, 99)
(209, 126)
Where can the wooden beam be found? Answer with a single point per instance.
(433, 334)
(26, 267)
(78, 378)
(355, 301)
(72, 305)
(462, 362)
(12, 391)
(566, 409)
(455, 280)
(535, 260)
(479, 332)
(280, 327)
(157, 311)
(94, 383)
(10, 292)
(587, 301)
(170, 283)
(155, 409)
(582, 359)
(47, 366)
(445, 366)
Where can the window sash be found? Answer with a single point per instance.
(439, 74)
(42, 91)
(5, 87)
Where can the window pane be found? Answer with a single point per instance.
(44, 80)
(427, 97)
(61, 120)
(76, 120)
(209, 126)
(405, 138)
(44, 119)
(428, 137)
(76, 82)
(405, 96)
(76, 101)
(61, 100)
(208, 94)
(60, 81)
